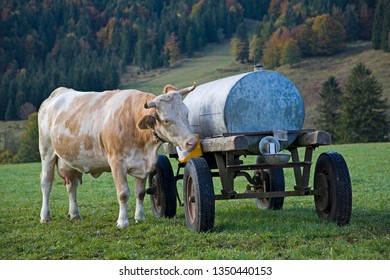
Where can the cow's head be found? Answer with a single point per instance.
(169, 121)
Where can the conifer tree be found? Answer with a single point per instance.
(28, 149)
(328, 107)
(363, 109)
(240, 44)
(351, 23)
(381, 25)
(385, 34)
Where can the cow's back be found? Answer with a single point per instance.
(84, 128)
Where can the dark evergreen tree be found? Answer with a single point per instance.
(4, 85)
(385, 34)
(381, 25)
(240, 44)
(10, 112)
(328, 107)
(190, 42)
(127, 45)
(363, 109)
(351, 23)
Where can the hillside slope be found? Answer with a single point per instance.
(216, 62)
(311, 73)
(308, 75)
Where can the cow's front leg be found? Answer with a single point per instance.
(139, 197)
(119, 173)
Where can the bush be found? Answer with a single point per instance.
(6, 156)
(28, 149)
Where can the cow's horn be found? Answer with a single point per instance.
(184, 91)
(149, 105)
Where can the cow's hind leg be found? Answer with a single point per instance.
(71, 178)
(71, 187)
(122, 190)
(139, 196)
(47, 177)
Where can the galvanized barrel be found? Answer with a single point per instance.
(251, 102)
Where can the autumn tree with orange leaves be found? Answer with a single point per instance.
(281, 49)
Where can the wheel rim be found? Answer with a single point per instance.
(322, 200)
(190, 199)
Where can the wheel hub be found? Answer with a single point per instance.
(323, 198)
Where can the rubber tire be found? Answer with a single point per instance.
(332, 175)
(163, 201)
(198, 195)
(274, 183)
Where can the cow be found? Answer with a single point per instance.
(116, 131)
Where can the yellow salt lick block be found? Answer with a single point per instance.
(185, 156)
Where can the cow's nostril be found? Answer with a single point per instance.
(192, 143)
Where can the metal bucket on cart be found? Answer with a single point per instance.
(251, 102)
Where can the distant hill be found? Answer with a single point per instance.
(308, 75)
(216, 62)
(86, 45)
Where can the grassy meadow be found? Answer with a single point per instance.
(241, 230)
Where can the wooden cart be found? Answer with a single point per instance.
(332, 189)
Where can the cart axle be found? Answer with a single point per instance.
(262, 195)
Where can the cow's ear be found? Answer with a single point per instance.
(147, 122)
(169, 88)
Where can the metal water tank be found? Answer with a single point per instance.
(251, 102)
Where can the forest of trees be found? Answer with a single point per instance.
(292, 29)
(86, 44)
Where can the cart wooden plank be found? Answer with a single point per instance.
(225, 144)
(218, 144)
(313, 138)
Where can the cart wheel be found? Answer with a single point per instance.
(162, 189)
(274, 182)
(198, 195)
(333, 186)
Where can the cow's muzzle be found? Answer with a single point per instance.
(190, 143)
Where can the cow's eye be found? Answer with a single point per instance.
(166, 122)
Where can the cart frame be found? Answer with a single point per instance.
(332, 187)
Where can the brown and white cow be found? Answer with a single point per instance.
(118, 131)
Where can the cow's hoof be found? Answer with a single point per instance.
(74, 217)
(122, 224)
(45, 220)
(138, 221)
(139, 218)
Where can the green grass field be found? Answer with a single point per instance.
(241, 230)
